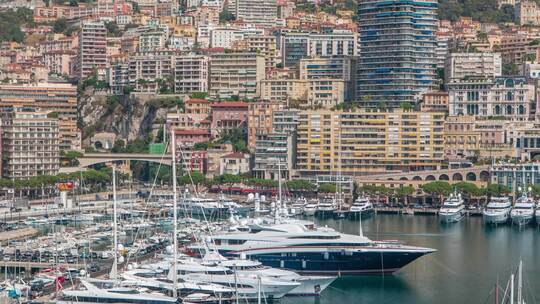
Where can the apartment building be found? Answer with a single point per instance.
(190, 73)
(57, 98)
(435, 101)
(272, 150)
(30, 143)
(462, 65)
(260, 119)
(304, 93)
(229, 115)
(336, 43)
(519, 48)
(508, 97)
(145, 69)
(235, 74)
(92, 48)
(261, 12)
(337, 68)
(527, 12)
(361, 142)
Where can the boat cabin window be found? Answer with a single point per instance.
(235, 242)
(316, 237)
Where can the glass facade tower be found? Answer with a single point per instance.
(397, 51)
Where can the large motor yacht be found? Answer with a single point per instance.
(361, 207)
(497, 211)
(321, 251)
(523, 211)
(453, 209)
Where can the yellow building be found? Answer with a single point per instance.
(304, 93)
(360, 141)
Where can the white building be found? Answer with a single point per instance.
(461, 65)
(263, 12)
(190, 73)
(511, 98)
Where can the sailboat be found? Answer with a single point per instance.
(108, 291)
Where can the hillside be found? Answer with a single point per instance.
(479, 10)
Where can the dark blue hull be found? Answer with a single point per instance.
(339, 263)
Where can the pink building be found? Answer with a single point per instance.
(228, 116)
(185, 139)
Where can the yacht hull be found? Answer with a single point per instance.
(338, 262)
(495, 219)
(309, 212)
(311, 286)
(522, 220)
(451, 217)
(364, 214)
(325, 213)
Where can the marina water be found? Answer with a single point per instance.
(471, 257)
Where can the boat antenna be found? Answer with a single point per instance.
(175, 216)
(114, 269)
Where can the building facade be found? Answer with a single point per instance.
(92, 48)
(235, 74)
(509, 97)
(397, 51)
(30, 144)
(462, 65)
(362, 142)
(58, 98)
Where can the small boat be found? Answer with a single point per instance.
(523, 211)
(497, 211)
(361, 207)
(453, 209)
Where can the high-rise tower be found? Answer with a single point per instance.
(397, 50)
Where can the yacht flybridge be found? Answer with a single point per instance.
(320, 251)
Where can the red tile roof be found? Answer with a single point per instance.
(197, 100)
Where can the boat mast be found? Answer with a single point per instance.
(175, 216)
(114, 269)
(281, 203)
(520, 283)
(512, 288)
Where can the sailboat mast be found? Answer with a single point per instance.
(175, 216)
(520, 283)
(114, 270)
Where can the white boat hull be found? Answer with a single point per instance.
(498, 218)
(451, 217)
(310, 212)
(522, 219)
(311, 286)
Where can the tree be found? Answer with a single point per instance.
(497, 190)
(300, 185)
(468, 189)
(437, 188)
(199, 95)
(60, 25)
(327, 188)
(112, 29)
(404, 192)
(196, 178)
(510, 69)
(406, 106)
(226, 16)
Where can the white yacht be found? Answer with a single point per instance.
(245, 286)
(297, 208)
(309, 285)
(310, 208)
(104, 291)
(523, 212)
(202, 206)
(453, 209)
(362, 206)
(156, 279)
(497, 211)
(326, 207)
